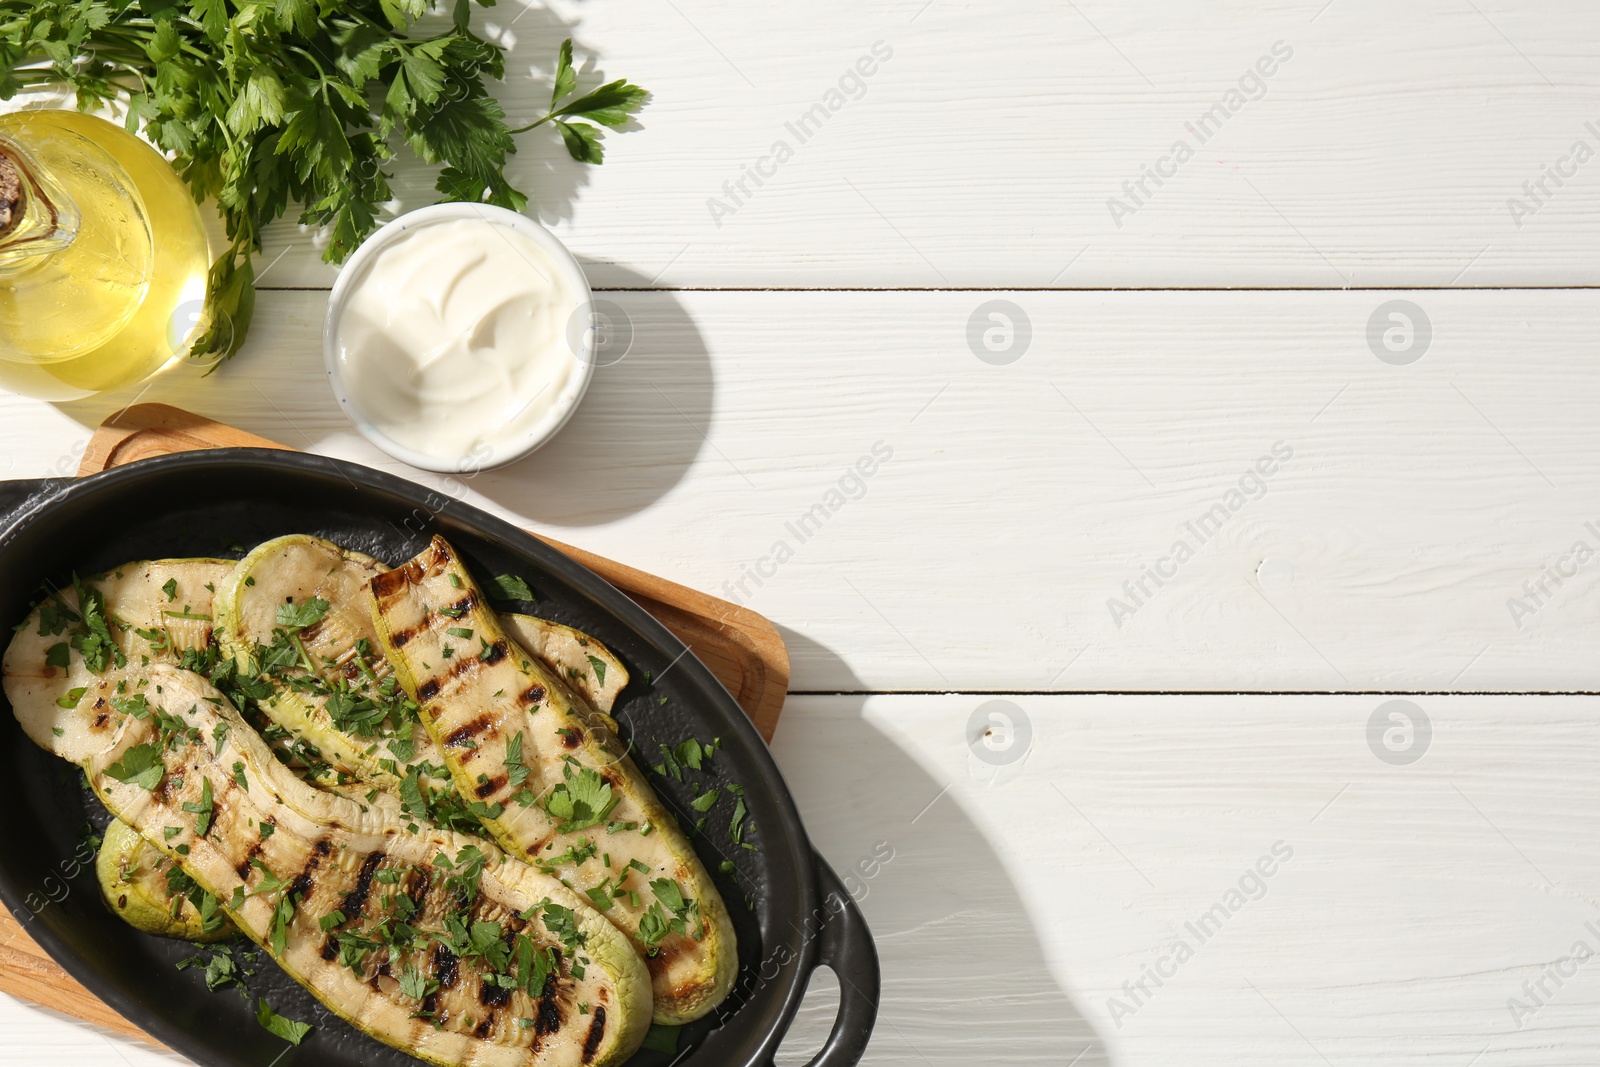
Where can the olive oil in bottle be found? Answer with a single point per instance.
(103, 257)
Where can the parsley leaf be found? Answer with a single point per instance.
(516, 770)
(511, 587)
(288, 1029)
(599, 666)
(203, 809)
(582, 801)
(140, 765)
(299, 616)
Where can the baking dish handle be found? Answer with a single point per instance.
(845, 944)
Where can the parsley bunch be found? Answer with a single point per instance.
(264, 103)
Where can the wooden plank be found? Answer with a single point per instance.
(1382, 556)
(1418, 899)
(985, 151)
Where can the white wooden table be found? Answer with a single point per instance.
(1435, 891)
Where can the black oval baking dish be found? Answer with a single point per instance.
(790, 911)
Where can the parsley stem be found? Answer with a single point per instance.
(305, 658)
(534, 125)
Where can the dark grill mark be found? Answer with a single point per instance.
(417, 886)
(461, 665)
(330, 948)
(390, 583)
(400, 637)
(446, 968)
(465, 604)
(533, 694)
(301, 886)
(243, 870)
(495, 652)
(383, 971)
(484, 1027)
(356, 899)
(597, 1030)
(428, 690)
(486, 789)
(571, 737)
(492, 996)
(100, 720)
(461, 735)
(547, 1020)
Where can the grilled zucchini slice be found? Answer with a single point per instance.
(588, 667)
(336, 705)
(139, 886)
(432, 942)
(146, 611)
(551, 781)
(330, 687)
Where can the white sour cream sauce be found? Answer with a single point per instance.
(453, 341)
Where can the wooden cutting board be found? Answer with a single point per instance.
(739, 646)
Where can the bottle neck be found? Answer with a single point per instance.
(37, 218)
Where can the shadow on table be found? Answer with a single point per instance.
(642, 424)
(964, 979)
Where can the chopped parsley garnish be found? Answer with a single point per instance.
(704, 801)
(583, 800)
(299, 616)
(468, 868)
(516, 770)
(653, 925)
(93, 639)
(58, 655)
(219, 734)
(661, 1038)
(461, 632)
(414, 985)
(170, 587)
(599, 666)
(511, 587)
(288, 1029)
(574, 854)
(72, 697)
(238, 776)
(140, 765)
(561, 923)
(203, 809)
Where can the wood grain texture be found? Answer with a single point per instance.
(985, 150)
(1417, 901)
(1418, 502)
